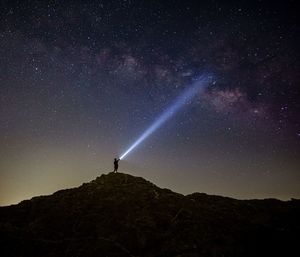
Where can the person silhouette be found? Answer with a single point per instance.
(116, 165)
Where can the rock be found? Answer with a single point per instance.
(121, 215)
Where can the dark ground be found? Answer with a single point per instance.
(122, 215)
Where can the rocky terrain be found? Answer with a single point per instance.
(122, 215)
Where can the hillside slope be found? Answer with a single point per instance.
(122, 215)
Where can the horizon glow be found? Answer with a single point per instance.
(191, 91)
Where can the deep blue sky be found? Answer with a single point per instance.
(81, 80)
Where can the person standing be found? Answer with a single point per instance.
(116, 165)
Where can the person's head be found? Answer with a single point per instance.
(115, 159)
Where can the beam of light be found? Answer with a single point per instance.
(195, 88)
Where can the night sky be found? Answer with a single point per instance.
(81, 80)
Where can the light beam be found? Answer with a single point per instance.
(196, 87)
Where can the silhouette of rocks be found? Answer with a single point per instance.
(121, 215)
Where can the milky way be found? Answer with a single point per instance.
(80, 80)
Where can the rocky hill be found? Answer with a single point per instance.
(122, 215)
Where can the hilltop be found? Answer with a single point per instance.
(122, 215)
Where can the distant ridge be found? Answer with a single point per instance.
(120, 215)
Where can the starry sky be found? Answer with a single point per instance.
(81, 80)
